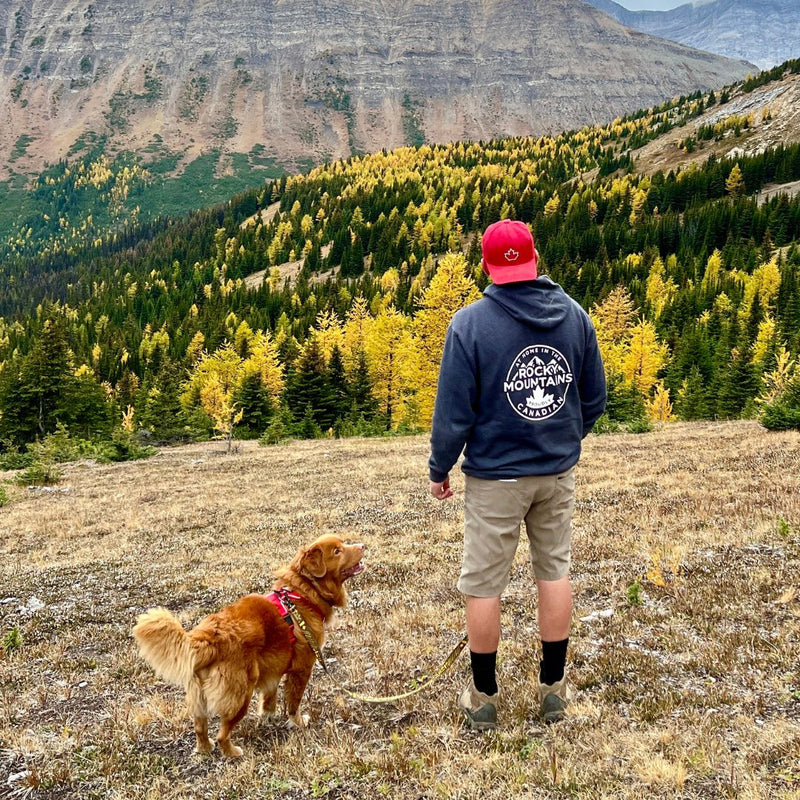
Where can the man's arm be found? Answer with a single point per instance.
(454, 412)
(592, 383)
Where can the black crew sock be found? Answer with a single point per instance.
(554, 659)
(483, 671)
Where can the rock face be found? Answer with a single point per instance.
(765, 32)
(309, 80)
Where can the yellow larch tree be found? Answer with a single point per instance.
(734, 185)
(659, 405)
(661, 290)
(354, 335)
(613, 322)
(644, 358)
(392, 361)
(212, 385)
(713, 269)
(778, 380)
(328, 333)
(264, 361)
(450, 289)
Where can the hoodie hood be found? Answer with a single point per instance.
(539, 304)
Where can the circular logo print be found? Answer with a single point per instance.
(538, 381)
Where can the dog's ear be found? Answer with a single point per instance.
(313, 562)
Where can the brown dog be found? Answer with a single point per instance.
(250, 645)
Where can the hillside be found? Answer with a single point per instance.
(328, 294)
(764, 32)
(772, 115)
(287, 85)
(686, 568)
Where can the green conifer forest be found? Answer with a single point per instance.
(294, 308)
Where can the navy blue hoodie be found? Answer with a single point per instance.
(520, 384)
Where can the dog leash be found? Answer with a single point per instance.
(364, 698)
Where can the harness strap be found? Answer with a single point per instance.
(283, 599)
(279, 602)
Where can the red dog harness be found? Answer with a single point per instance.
(278, 599)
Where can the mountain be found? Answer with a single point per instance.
(766, 32)
(278, 84)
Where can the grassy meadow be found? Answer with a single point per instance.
(685, 647)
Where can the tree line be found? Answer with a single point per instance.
(188, 327)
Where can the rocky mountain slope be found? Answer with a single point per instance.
(766, 32)
(300, 82)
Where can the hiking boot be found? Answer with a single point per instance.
(480, 709)
(554, 698)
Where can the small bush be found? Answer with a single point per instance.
(60, 447)
(14, 459)
(639, 426)
(781, 417)
(40, 473)
(3, 497)
(633, 594)
(784, 413)
(606, 425)
(11, 641)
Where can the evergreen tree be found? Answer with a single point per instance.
(256, 405)
(158, 406)
(739, 385)
(41, 392)
(309, 390)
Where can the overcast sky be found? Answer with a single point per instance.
(651, 5)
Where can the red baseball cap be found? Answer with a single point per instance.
(508, 252)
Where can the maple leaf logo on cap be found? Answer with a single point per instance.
(511, 255)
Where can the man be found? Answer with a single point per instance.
(521, 383)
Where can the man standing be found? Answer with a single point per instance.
(521, 383)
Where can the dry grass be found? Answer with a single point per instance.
(694, 692)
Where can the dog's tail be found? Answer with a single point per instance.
(166, 646)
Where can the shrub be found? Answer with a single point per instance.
(3, 497)
(784, 413)
(14, 459)
(606, 425)
(40, 473)
(11, 641)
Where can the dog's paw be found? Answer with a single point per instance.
(231, 750)
(299, 720)
(204, 748)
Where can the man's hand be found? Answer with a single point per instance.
(441, 490)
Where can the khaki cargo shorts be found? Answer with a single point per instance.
(493, 511)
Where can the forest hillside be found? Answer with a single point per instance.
(317, 304)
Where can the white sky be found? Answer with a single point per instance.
(651, 5)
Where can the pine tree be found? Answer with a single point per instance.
(40, 389)
(739, 384)
(693, 401)
(256, 405)
(158, 405)
(310, 388)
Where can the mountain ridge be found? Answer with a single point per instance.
(764, 32)
(301, 83)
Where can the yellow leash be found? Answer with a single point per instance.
(364, 698)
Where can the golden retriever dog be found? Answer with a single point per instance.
(250, 645)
